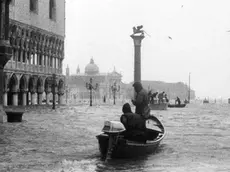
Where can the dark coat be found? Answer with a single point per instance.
(132, 121)
(141, 102)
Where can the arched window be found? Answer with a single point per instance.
(34, 6)
(52, 10)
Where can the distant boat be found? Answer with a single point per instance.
(158, 106)
(176, 105)
(205, 101)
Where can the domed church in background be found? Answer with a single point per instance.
(91, 68)
(76, 83)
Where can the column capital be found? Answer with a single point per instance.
(137, 39)
(25, 90)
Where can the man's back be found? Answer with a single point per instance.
(132, 121)
(142, 101)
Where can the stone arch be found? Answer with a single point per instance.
(40, 90)
(13, 89)
(40, 85)
(48, 85)
(13, 83)
(32, 84)
(23, 88)
(23, 84)
(32, 89)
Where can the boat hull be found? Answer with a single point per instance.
(129, 149)
(161, 106)
(125, 148)
(176, 105)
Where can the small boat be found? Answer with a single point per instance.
(176, 105)
(113, 144)
(158, 106)
(205, 101)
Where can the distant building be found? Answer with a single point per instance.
(77, 82)
(36, 34)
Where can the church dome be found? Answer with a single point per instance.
(91, 68)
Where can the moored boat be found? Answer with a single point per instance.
(176, 105)
(114, 144)
(205, 101)
(158, 106)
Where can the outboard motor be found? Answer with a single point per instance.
(113, 129)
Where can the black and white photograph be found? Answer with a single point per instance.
(114, 85)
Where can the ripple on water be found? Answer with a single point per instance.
(64, 140)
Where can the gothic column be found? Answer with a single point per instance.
(40, 98)
(5, 100)
(60, 99)
(47, 98)
(33, 98)
(15, 99)
(24, 98)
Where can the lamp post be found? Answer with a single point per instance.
(67, 90)
(115, 88)
(90, 87)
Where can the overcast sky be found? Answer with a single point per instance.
(200, 42)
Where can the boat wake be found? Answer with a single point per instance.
(86, 165)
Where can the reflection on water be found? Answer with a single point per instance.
(64, 140)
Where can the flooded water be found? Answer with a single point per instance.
(63, 140)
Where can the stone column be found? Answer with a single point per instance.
(33, 98)
(5, 100)
(15, 99)
(47, 98)
(5, 48)
(61, 99)
(39, 98)
(24, 98)
(137, 56)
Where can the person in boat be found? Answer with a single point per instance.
(177, 101)
(141, 101)
(166, 98)
(134, 124)
(185, 101)
(161, 97)
(153, 97)
(150, 95)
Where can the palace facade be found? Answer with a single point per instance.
(36, 34)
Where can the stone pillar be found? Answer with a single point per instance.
(39, 98)
(24, 98)
(47, 98)
(61, 99)
(2, 112)
(15, 99)
(33, 98)
(137, 56)
(5, 100)
(5, 48)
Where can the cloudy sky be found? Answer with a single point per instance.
(200, 42)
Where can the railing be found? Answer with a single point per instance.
(12, 65)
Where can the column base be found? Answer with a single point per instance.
(3, 118)
(14, 115)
